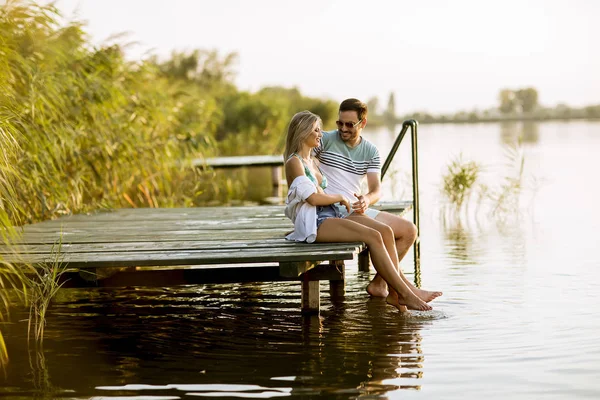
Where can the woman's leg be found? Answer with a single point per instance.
(344, 230)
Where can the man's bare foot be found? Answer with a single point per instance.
(412, 303)
(392, 299)
(425, 295)
(377, 289)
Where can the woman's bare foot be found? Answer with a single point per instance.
(425, 295)
(377, 289)
(402, 303)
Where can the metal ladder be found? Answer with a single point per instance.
(412, 124)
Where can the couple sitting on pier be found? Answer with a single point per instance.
(326, 205)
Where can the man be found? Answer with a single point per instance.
(347, 159)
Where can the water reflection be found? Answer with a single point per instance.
(512, 131)
(372, 350)
(459, 242)
(40, 377)
(254, 336)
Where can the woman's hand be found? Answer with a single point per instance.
(346, 203)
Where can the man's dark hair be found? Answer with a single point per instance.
(355, 105)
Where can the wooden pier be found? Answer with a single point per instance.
(165, 247)
(273, 161)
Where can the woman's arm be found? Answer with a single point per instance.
(294, 169)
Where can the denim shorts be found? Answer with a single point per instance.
(371, 212)
(324, 212)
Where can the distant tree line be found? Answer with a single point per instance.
(513, 104)
(243, 122)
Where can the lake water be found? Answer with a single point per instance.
(518, 318)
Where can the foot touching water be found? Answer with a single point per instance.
(402, 302)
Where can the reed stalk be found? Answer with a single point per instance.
(459, 182)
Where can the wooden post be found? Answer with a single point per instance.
(310, 296)
(276, 181)
(363, 260)
(338, 287)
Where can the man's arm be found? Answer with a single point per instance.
(372, 197)
(374, 184)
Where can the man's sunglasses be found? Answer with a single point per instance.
(348, 125)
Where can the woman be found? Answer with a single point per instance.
(307, 203)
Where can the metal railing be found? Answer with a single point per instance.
(412, 124)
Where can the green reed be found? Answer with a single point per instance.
(43, 285)
(502, 200)
(459, 181)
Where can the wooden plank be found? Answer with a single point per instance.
(44, 238)
(239, 161)
(181, 224)
(190, 228)
(399, 207)
(190, 257)
(197, 213)
(170, 214)
(215, 216)
(164, 246)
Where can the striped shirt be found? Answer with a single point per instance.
(345, 167)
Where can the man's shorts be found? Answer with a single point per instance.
(371, 212)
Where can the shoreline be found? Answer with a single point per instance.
(484, 120)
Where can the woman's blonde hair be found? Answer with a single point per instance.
(299, 129)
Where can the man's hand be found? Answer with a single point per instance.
(362, 204)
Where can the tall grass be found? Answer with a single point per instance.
(90, 130)
(459, 181)
(500, 200)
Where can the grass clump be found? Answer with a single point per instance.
(459, 181)
(463, 180)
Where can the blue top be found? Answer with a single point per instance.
(310, 175)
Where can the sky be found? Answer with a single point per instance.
(434, 55)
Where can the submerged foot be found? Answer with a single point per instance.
(376, 289)
(426, 295)
(400, 307)
(411, 303)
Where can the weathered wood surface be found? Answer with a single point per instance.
(239, 161)
(173, 237)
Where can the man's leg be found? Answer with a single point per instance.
(405, 233)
